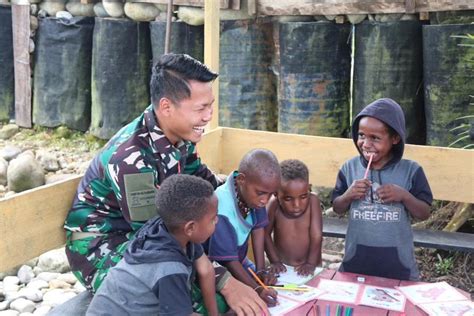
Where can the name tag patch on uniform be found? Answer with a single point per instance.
(140, 192)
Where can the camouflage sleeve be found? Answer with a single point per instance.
(195, 167)
(133, 184)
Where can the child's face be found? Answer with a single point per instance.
(293, 197)
(207, 224)
(255, 191)
(375, 139)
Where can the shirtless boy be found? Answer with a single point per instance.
(295, 219)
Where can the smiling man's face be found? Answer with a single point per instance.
(189, 117)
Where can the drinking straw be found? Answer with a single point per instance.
(368, 166)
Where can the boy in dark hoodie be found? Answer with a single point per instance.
(156, 273)
(379, 239)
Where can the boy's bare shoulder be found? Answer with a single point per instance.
(313, 196)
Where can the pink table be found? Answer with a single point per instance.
(410, 309)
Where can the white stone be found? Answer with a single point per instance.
(331, 258)
(58, 284)
(4, 305)
(3, 172)
(54, 261)
(48, 276)
(9, 152)
(24, 173)
(26, 314)
(22, 305)
(37, 270)
(191, 15)
(9, 312)
(80, 9)
(142, 12)
(25, 274)
(113, 9)
(31, 294)
(37, 284)
(8, 130)
(356, 18)
(10, 280)
(63, 15)
(78, 287)
(68, 277)
(47, 160)
(100, 11)
(42, 310)
(52, 7)
(57, 296)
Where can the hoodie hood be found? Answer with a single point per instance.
(389, 112)
(154, 243)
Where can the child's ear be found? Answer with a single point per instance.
(189, 228)
(240, 178)
(395, 139)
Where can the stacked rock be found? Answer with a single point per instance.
(38, 286)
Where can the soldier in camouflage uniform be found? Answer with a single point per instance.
(116, 195)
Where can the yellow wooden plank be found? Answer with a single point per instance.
(450, 171)
(210, 150)
(31, 222)
(211, 50)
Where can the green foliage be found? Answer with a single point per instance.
(444, 265)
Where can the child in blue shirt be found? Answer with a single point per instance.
(241, 212)
(379, 239)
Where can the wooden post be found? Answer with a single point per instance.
(21, 56)
(169, 15)
(211, 50)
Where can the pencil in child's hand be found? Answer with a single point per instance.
(257, 278)
(368, 166)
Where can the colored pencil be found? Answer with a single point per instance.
(286, 288)
(328, 310)
(257, 278)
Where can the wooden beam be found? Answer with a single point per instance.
(223, 4)
(211, 50)
(335, 7)
(210, 149)
(22, 71)
(449, 171)
(31, 222)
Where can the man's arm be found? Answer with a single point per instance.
(195, 167)
(206, 276)
(242, 299)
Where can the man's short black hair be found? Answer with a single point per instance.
(261, 163)
(170, 76)
(182, 198)
(293, 169)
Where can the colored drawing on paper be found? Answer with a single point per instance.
(382, 297)
(457, 308)
(431, 292)
(338, 291)
(301, 296)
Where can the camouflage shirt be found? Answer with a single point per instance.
(117, 192)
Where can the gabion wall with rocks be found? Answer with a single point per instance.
(103, 85)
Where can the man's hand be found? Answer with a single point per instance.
(268, 295)
(242, 299)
